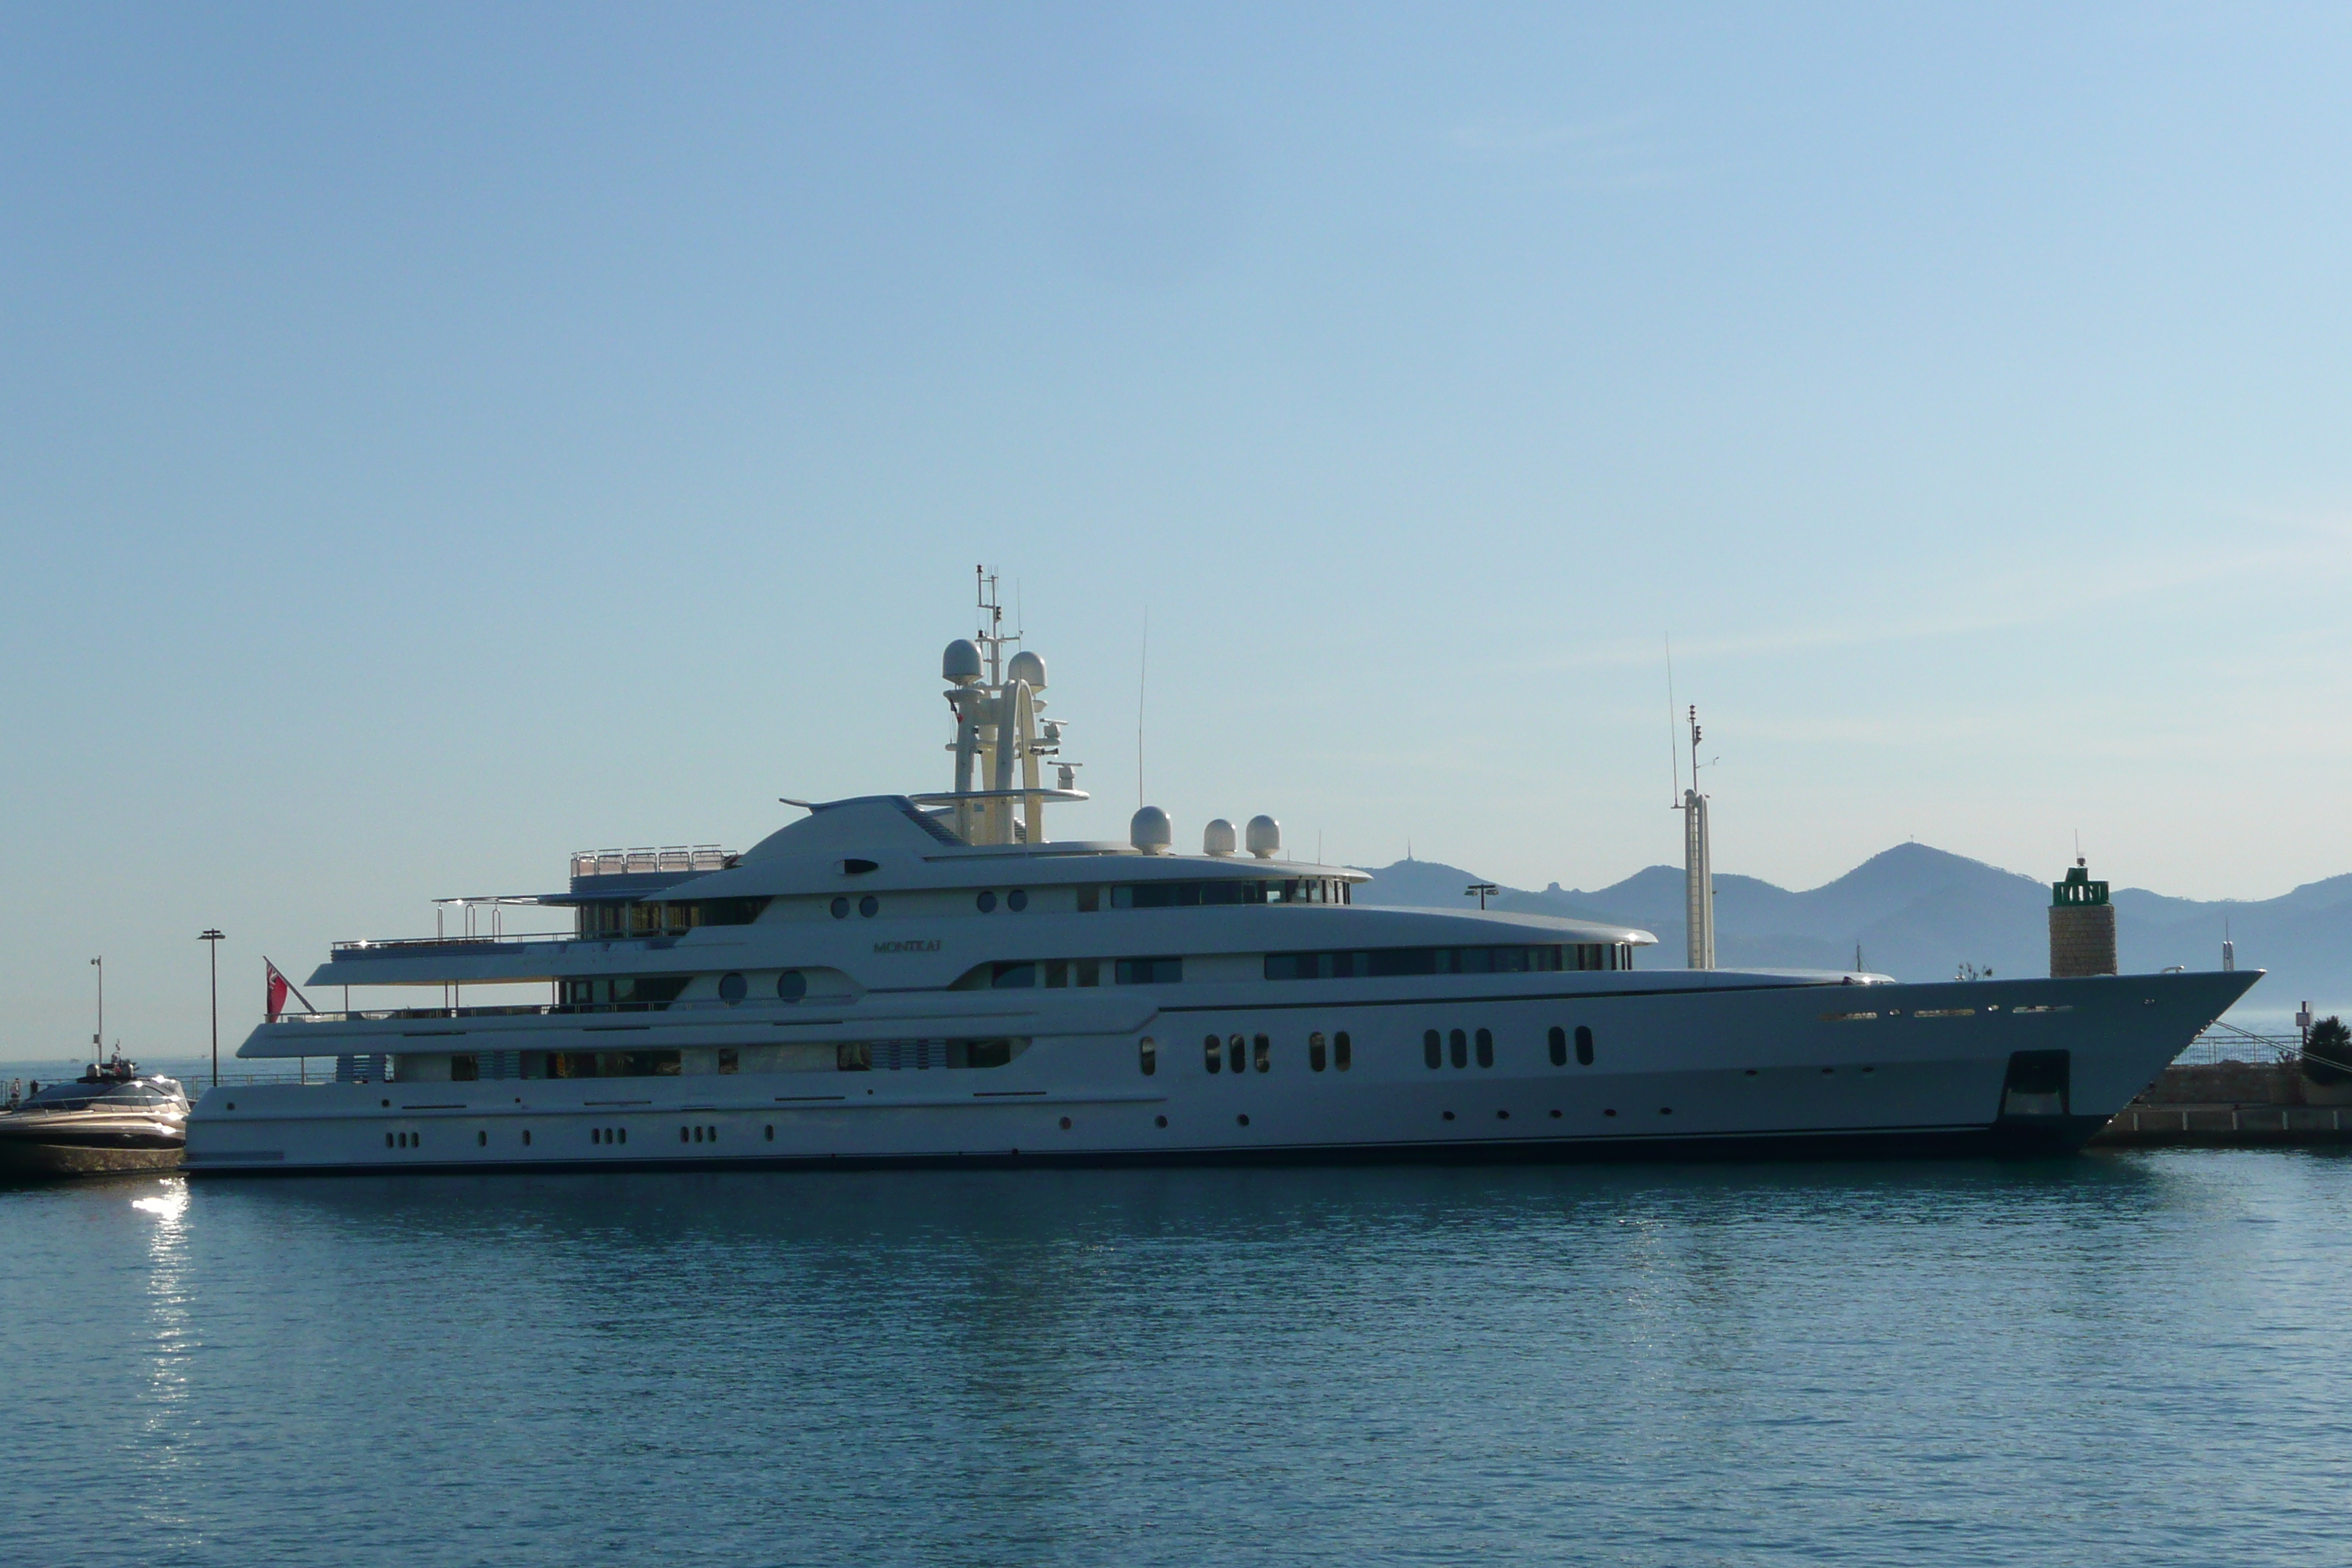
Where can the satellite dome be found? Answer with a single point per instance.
(1265, 838)
(1026, 666)
(1150, 831)
(960, 663)
(1217, 839)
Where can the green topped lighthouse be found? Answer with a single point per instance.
(2082, 926)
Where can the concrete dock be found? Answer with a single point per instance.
(2232, 1105)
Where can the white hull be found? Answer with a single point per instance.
(1753, 1065)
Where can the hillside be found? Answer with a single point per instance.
(1918, 913)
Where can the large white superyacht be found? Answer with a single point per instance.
(927, 979)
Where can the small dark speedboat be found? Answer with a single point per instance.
(110, 1119)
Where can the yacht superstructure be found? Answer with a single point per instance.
(929, 979)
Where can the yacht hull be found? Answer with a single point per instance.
(1749, 1068)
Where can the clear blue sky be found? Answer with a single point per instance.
(438, 439)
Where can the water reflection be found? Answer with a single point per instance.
(1930, 1363)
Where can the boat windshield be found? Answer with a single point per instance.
(82, 1096)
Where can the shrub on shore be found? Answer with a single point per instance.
(2327, 1052)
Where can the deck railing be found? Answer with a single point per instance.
(637, 862)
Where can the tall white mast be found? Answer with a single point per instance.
(1698, 871)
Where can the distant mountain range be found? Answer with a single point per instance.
(1918, 913)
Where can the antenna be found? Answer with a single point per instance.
(2078, 847)
(1674, 750)
(1142, 685)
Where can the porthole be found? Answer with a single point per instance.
(1236, 1055)
(1215, 1059)
(526, 1138)
(791, 986)
(625, 1135)
(1554, 1116)
(1065, 1124)
(387, 1140)
(1433, 1049)
(481, 1140)
(1502, 1116)
(681, 1134)
(1147, 1056)
(1665, 1110)
(1607, 1113)
(1449, 1116)
(1559, 1043)
(1160, 1121)
(1458, 1044)
(841, 909)
(869, 906)
(1485, 1047)
(732, 988)
(1583, 1046)
(1343, 1051)
(1263, 1050)
(987, 902)
(1016, 900)
(1316, 1052)
(595, 1135)
(771, 1132)
(1243, 1120)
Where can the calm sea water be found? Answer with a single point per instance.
(2126, 1359)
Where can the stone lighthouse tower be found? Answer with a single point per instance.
(2082, 926)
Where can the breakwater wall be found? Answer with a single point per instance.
(2232, 1105)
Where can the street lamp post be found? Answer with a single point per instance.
(213, 939)
(98, 1041)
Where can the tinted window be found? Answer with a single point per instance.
(1559, 1043)
(1433, 1049)
(1147, 1056)
(732, 987)
(1343, 1054)
(1011, 976)
(1214, 1058)
(1150, 971)
(1485, 1047)
(1387, 962)
(1263, 1048)
(1583, 1046)
(791, 986)
(1236, 1057)
(1185, 895)
(1460, 1045)
(1316, 1052)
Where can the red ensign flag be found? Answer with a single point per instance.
(279, 986)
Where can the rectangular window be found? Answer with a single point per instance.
(1343, 1053)
(1314, 1052)
(1057, 973)
(1188, 895)
(1261, 1050)
(730, 1061)
(1089, 972)
(1089, 901)
(612, 1063)
(1011, 976)
(1385, 963)
(1150, 971)
(464, 1069)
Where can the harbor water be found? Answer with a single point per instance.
(2124, 1358)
